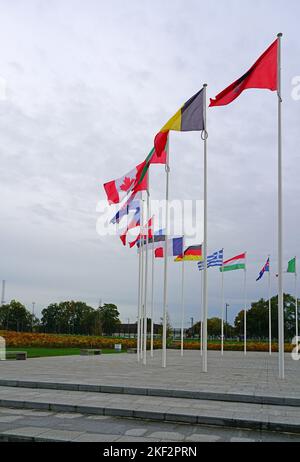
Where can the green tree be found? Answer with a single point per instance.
(258, 318)
(69, 317)
(214, 328)
(15, 316)
(109, 316)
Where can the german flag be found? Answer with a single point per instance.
(192, 253)
(189, 118)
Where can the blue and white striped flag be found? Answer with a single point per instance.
(216, 259)
(131, 204)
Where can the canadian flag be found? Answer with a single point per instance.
(116, 190)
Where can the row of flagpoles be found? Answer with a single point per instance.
(238, 262)
(192, 116)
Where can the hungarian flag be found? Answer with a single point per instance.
(116, 190)
(174, 246)
(192, 253)
(190, 117)
(263, 74)
(235, 263)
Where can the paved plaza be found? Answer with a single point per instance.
(255, 374)
(238, 395)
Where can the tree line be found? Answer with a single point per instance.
(69, 317)
(73, 317)
(257, 321)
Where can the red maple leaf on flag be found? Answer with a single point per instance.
(127, 183)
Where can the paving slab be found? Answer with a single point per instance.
(201, 438)
(26, 431)
(136, 432)
(95, 438)
(9, 418)
(61, 435)
(174, 436)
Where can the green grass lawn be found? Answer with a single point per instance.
(35, 352)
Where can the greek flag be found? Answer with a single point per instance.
(216, 259)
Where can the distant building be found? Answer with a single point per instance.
(131, 329)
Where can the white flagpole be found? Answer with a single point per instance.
(270, 312)
(182, 282)
(222, 314)
(164, 337)
(139, 310)
(182, 304)
(152, 291)
(146, 281)
(296, 300)
(201, 315)
(280, 226)
(204, 337)
(142, 280)
(245, 310)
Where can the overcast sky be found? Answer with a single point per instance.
(84, 87)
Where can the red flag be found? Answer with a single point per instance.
(263, 74)
(159, 159)
(160, 142)
(159, 253)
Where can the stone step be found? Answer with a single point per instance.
(31, 425)
(204, 412)
(162, 392)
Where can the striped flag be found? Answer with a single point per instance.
(189, 118)
(175, 248)
(266, 268)
(216, 259)
(234, 263)
(192, 253)
(154, 242)
(131, 204)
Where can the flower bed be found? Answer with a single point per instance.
(236, 346)
(28, 339)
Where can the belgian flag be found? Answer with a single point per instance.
(189, 118)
